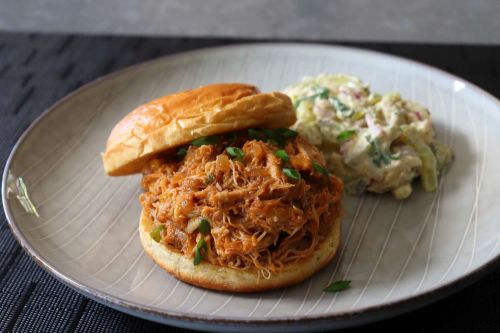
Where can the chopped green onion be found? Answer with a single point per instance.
(283, 155)
(198, 256)
(319, 168)
(24, 198)
(21, 187)
(277, 136)
(205, 140)
(156, 233)
(232, 137)
(291, 173)
(235, 152)
(286, 133)
(210, 179)
(255, 134)
(345, 135)
(204, 227)
(338, 286)
(181, 152)
(280, 135)
(273, 137)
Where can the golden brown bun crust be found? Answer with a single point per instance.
(177, 119)
(211, 276)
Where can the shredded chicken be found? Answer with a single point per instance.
(259, 218)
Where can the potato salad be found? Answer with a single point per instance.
(374, 142)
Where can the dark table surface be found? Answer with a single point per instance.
(37, 70)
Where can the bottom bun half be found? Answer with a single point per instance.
(221, 278)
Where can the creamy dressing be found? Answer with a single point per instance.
(374, 142)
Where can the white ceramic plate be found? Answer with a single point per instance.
(399, 255)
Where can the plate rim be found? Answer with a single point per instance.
(387, 309)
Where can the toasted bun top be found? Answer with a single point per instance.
(211, 276)
(177, 119)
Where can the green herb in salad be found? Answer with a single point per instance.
(338, 105)
(324, 93)
(319, 93)
(380, 157)
(345, 135)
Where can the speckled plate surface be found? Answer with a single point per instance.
(399, 255)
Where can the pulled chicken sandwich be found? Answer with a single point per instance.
(233, 200)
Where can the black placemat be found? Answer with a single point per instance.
(37, 70)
